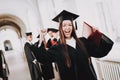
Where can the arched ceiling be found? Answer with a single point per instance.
(13, 22)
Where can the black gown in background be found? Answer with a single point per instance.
(4, 73)
(34, 68)
(52, 42)
(80, 69)
(47, 69)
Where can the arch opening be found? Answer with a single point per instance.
(8, 45)
(14, 23)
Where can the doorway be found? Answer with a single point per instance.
(8, 45)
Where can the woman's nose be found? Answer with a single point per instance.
(67, 27)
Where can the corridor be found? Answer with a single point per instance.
(33, 15)
(17, 65)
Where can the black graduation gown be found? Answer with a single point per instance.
(52, 42)
(47, 69)
(80, 69)
(34, 68)
(0, 64)
(49, 43)
(3, 73)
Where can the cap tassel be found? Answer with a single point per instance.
(76, 25)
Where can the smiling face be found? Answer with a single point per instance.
(29, 38)
(50, 33)
(67, 28)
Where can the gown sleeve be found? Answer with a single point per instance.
(45, 56)
(28, 52)
(96, 49)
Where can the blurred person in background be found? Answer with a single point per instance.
(53, 40)
(33, 65)
(4, 70)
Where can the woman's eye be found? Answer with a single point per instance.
(64, 25)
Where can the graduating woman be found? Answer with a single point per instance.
(72, 53)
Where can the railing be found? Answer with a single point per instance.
(110, 70)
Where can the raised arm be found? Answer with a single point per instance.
(98, 45)
(44, 56)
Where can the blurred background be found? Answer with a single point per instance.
(20, 16)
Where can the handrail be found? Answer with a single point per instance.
(108, 61)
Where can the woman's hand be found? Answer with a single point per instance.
(94, 28)
(43, 32)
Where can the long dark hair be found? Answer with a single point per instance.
(64, 46)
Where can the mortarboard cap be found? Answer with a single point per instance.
(52, 29)
(28, 33)
(65, 15)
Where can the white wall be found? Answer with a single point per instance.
(25, 10)
(13, 37)
(35, 14)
